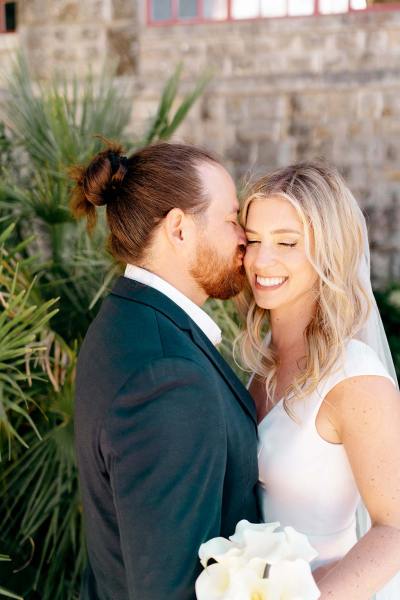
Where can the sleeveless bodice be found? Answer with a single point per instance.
(305, 481)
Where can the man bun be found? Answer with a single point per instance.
(97, 183)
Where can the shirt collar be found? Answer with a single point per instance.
(197, 314)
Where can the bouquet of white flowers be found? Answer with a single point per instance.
(258, 562)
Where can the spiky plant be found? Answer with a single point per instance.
(23, 325)
(47, 129)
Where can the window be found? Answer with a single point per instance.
(181, 11)
(8, 17)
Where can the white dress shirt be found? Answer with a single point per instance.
(198, 315)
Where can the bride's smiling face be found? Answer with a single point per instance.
(276, 263)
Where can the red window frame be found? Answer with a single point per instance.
(175, 20)
(3, 16)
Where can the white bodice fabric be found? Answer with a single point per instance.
(305, 481)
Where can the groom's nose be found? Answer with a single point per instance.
(242, 240)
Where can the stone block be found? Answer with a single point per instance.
(237, 109)
(370, 104)
(68, 12)
(391, 104)
(259, 130)
(376, 41)
(351, 43)
(122, 48)
(268, 107)
(394, 41)
(121, 9)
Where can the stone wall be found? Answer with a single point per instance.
(77, 36)
(290, 89)
(9, 44)
(283, 89)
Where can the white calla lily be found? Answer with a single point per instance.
(250, 585)
(298, 546)
(271, 547)
(264, 541)
(294, 580)
(219, 582)
(214, 583)
(240, 572)
(216, 548)
(244, 528)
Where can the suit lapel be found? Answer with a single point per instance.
(224, 369)
(137, 292)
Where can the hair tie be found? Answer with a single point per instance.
(116, 161)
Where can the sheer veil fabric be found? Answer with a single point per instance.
(373, 334)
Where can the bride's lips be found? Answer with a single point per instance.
(267, 284)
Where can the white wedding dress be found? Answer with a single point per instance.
(305, 481)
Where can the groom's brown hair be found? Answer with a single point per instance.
(139, 192)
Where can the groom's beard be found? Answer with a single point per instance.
(218, 276)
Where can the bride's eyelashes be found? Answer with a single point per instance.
(287, 244)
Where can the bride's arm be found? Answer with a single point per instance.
(366, 414)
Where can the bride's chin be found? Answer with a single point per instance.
(263, 303)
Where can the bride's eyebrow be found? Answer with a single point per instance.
(276, 231)
(287, 231)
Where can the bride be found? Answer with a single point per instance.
(324, 384)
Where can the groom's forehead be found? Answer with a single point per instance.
(220, 188)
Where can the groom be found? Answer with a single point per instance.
(165, 432)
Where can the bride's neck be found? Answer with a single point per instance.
(288, 327)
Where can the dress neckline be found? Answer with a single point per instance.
(270, 411)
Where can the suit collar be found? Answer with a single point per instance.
(199, 316)
(137, 292)
(144, 294)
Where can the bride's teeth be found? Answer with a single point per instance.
(270, 281)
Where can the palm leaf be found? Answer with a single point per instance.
(163, 124)
(46, 255)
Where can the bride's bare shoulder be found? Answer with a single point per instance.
(360, 403)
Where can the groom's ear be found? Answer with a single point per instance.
(178, 227)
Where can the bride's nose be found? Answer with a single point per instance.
(264, 258)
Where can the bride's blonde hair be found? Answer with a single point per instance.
(328, 209)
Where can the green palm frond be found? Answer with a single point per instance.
(42, 503)
(44, 255)
(56, 123)
(21, 326)
(4, 591)
(164, 123)
(8, 594)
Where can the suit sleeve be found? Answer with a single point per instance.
(167, 465)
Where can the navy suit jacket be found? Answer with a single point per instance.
(166, 443)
